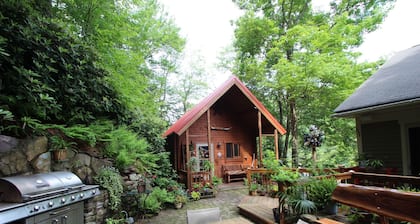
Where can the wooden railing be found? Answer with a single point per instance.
(359, 178)
(387, 203)
(200, 178)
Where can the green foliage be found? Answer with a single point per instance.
(153, 202)
(280, 173)
(128, 149)
(301, 63)
(110, 179)
(296, 199)
(320, 191)
(216, 181)
(253, 187)
(137, 47)
(49, 75)
(195, 195)
(149, 203)
(114, 221)
(57, 143)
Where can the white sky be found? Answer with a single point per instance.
(206, 24)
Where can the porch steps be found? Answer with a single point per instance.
(257, 213)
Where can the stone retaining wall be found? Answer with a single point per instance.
(31, 155)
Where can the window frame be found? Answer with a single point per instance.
(235, 151)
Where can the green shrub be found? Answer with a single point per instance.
(320, 191)
(110, 179)
(128, 149)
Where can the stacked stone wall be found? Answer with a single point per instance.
(31, 156)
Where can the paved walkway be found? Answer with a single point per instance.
(227, 199)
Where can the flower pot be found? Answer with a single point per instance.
(60, 155)
(253, 193)
(331, 208)
(276, 214)
(178, 205)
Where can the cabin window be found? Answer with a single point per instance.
(232, 151)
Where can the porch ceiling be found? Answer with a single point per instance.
(242, 110)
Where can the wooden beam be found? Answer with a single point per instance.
(276, 143)
(260, 138)
(387, 203)
(187, 144)
(209, 142)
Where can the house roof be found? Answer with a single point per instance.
(195, 113)
(396, 83)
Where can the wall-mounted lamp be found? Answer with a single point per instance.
(219, 155)
(219, 144)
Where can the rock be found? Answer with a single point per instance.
(34, 147)
(7, 143)
(42, 163)
(82, 159)
(134, 177)
(14, 163)
(98, 164)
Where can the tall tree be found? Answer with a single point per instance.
(137, 43)
(304, 56)
(187, 86)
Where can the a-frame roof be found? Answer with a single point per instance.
(180, 126)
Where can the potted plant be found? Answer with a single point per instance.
(195, 195)
(180, 199)
(59, 147)
(253, 187)
(320, 192)
(284, 178)
(193, 164)
(208, 166)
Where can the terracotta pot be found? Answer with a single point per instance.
(60, 155)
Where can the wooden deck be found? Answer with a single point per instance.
(238, 220)
(258, 208)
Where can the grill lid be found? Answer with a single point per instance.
(27, 188)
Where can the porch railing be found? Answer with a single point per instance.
(358, 178)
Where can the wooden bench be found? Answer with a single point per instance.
(233, 172)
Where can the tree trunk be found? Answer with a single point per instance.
(280, 143)
(314, 154)
(293, 132)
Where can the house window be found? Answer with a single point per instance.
(232, 151)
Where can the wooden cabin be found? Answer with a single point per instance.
(225, 129)
(387, 112)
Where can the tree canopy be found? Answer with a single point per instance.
(303, 62)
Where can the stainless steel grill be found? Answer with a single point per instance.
(55, 197)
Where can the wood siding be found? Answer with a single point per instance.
(382, 140)
(237, 133)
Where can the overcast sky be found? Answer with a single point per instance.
(206, 26)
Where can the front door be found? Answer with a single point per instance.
(414, 144)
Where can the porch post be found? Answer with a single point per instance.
(187, 144)
(209, 142)
(260, 137)
(276, 143)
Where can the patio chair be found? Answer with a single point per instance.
(203, 216)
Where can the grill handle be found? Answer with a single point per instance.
(32, 197)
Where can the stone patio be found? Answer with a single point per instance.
(227, 199)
